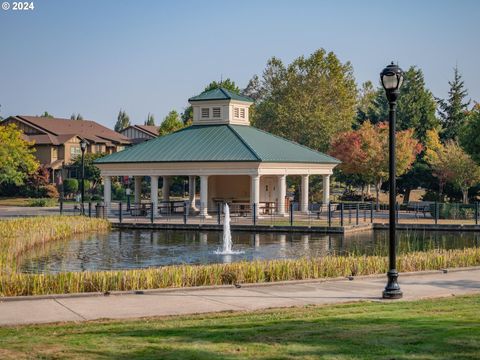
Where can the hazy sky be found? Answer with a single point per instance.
(95, 57)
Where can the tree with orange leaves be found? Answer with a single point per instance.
(364, 152)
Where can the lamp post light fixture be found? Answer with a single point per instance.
(392, 79)
(83, 147)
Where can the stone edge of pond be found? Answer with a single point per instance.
(250, 228)
(349, 229)
(199, 288)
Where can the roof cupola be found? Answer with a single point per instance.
(220, 106)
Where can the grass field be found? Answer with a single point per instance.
(446, 328)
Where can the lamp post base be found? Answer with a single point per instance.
(392, 290)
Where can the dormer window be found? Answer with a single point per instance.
(242, 113)
(217, 112)
(236, 111)
(205, 113)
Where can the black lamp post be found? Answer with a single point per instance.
(83, 147)
(392, 78)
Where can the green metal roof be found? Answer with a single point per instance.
(211, 143)
(220, 94)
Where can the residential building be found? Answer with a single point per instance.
(57, 141)
(140, 133)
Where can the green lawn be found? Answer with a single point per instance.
(446, 328)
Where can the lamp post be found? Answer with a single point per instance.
(392, 78)
(83, 147)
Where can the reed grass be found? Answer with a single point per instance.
(16, 284)
(22, 234)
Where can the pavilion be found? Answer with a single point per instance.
(236, 162)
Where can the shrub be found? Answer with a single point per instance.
(49, 191)
(453, 211)
(42, 202)
(70, 186)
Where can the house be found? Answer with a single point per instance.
(236, 162)
(57, 141)
(140, 133)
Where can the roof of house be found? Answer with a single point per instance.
(60, 130)
(148, 129)
(213, 143)
(220, 94)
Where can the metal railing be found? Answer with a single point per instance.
(318, 214)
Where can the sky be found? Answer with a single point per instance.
(97, 57)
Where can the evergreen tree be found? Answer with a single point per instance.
(46, 114)
(416, 105)
(150, 120)
(123, 121)
(453, 111)
(76, 116)
(170, 124)
(470, 133)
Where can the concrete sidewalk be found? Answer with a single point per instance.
(249, 297)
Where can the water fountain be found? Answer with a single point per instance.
(227, 235)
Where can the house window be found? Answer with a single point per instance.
(216, 112)
(120, 148)
(205, 113)
(235, 112)
(242, 113)
(75, 151)
(54, 153)
(98, 148)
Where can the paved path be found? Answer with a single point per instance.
(248, 297)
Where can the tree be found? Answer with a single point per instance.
(16, 156)
(453, 111)
(226, 84)
(364, 152)
(187, 116)
(46, 114)
(150, 120)
(76, 116)
(92, 173)
(123, 121)
(309, 101)
(170, 124)
(470, 133)
(416, 105)
(70, 186)
(366, 102)
(435, 156)
(254, 88)
(463, 171)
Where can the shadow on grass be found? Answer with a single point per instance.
(437, 329)
(363, 336)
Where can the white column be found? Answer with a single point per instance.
(166, 188)
(107, 193)
(137, 192)
(154, 193)
(255, 191)
(282, 193)
(191, 192)
(326, 189)
(204, 195)
(304, 190)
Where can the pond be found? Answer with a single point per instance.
(142, 248)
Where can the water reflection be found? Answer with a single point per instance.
(141, 249)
